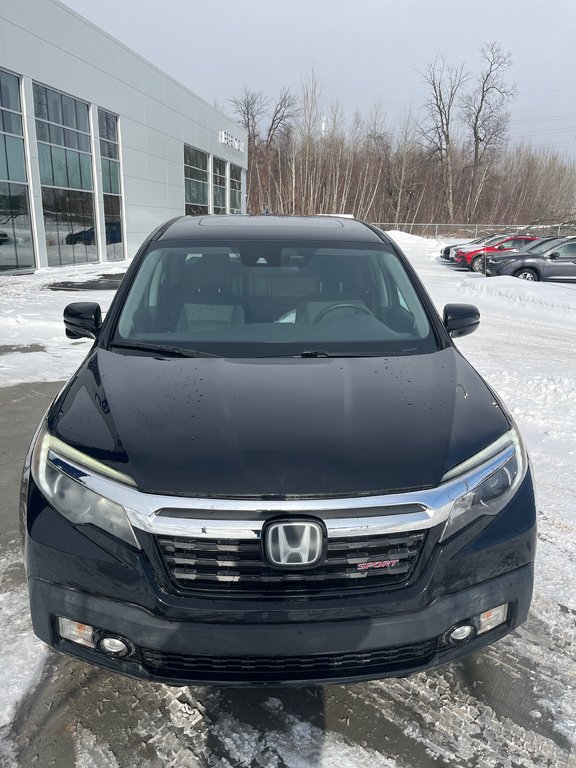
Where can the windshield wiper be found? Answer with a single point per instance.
(163, 349)
(322, 353)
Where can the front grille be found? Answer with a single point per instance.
(237, 566)
(286, 668)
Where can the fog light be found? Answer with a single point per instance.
(114, 646)
(83, 634)
(461, 634)
(492, 618)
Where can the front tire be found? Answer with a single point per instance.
(477, 264)
(527, 274)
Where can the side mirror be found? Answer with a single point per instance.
(554, 255)
(82, 319)
(503, 247)
(461, 319)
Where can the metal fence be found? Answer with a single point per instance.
(471, 231)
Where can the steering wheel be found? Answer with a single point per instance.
(342, 305)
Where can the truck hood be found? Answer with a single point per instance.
(214, 427)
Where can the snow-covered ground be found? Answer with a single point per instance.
(526, 348)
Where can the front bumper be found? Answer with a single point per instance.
(183, 652)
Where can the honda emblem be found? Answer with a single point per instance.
(294, 544)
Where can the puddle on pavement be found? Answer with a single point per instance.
(8, 349)
(100, 283)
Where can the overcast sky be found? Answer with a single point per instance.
(363, 52)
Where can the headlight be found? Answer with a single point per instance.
(61, 483)
(491, 477)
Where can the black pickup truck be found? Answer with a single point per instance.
(275, 468)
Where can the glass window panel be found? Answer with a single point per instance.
(111, 207)
(102, 128)
(114, 177)
(235, 173)
(69, 111)
(195, 173)
(9, 91)
(235, 200)
(3, 162)
(8, 257)
(15, 158)
(219, 167)
(45, 160)
(73, 167)
(51, 225)
(108, 149)
(106, 184)
(196, 192)
(71, 227)
(112, 132)
(40, 102)
(81, 231)
(88, 218)
(17, 252)
(107, 125)
(194, 210)
(57, 135)
(12, 123)
(83, 142)
(219, 197)
(42, 131)
(22, 226)
(86, 171)
(70, 138)
(59, 167)
(195, 158)
(54, 106)
(82, 117)
(113, 223)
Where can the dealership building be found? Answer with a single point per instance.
(98, 146)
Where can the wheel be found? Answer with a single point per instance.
(527, 274)
(342, 305)
(477, 264)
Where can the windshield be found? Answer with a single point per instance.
(541, 246)
(495, 239)
(266, 298)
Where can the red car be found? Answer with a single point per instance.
(475, 259)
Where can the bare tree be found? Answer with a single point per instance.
(250, 108)
(283, 116)
(484, 111)
(437, 130)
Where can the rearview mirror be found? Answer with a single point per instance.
(553, 255)
(461, 319)
(82, 319)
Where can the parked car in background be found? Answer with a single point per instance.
(3, 237)
(222, 496)
(536, 246)
(475, 259)
(472, 246)
(552, 260)
(446, 251)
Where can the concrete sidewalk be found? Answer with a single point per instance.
(21, 408)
